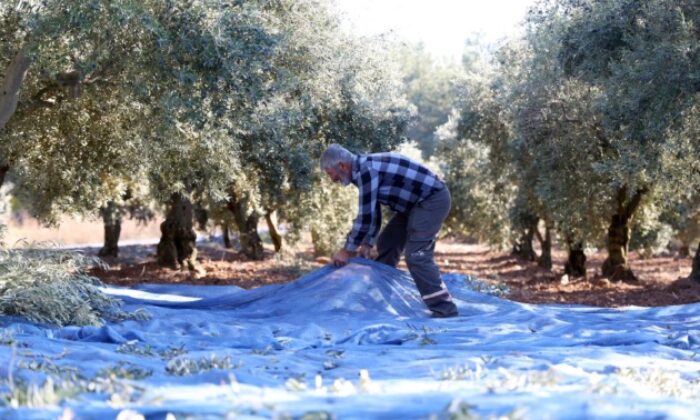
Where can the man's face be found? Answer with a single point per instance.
(339, 174)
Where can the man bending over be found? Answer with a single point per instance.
(420, 201)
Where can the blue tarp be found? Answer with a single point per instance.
(357, 342)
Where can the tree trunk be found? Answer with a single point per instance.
(112, 218)
(576, 263)
(251, 244)
(227, 235)
(3, 171)
(201, 215)
(545, 259)
(9, 91)
(695, 273)
(274, 233)
(523, 248)
(177, 248)
(683, 251)
(616, 266)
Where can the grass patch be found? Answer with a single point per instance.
(183, 366)
(51, 286)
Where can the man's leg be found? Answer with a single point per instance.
(424, 222)
(392, 240)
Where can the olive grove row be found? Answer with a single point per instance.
(582, 131)
(586, 129)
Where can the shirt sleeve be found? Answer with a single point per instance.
(371, 239)
(366, 223)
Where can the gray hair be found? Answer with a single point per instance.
(334, 155)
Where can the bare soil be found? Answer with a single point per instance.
(661, 281)
(72, 231)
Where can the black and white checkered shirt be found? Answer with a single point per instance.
(390, 179)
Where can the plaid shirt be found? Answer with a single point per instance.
(390, 179)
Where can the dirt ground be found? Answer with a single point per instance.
(662, 280)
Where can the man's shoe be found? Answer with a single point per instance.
(443, 315)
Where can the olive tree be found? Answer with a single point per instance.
(71, 120)
(370, 115)
(124, 92)
(643, 55)
(328, 87)
(472, 148)
(558, 140)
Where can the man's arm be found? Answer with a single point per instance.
(372, 238)
(368, 215)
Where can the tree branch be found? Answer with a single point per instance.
(70, 80)
(14, 76)
(634, 202)
(621, 196)
(38, 98)
(3, 171)
(538, 235)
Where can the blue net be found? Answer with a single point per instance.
(354, 342)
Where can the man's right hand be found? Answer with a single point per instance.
(366, 251)
(341, 257)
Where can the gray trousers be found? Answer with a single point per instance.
(415, 234)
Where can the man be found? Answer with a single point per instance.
(421, 202)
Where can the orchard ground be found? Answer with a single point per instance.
(662, 279)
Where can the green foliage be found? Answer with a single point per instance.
(201, 98)
(611, 84)
(644, 53)
(430, 86)
(72, 139)
(328, 213)
(51, 286)
(470, 150)
(650, 238)
(595, 105)
(124, 370)
(136, 348)
(683, 218)
(182, 366)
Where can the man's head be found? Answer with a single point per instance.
(336, 162)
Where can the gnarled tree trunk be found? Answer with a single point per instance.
(576, 263)
(545, 259)
(227, 235)
(695, 273)
(177, 248)
(112, 219)
(274, 233)
(247, 223)
(523, 248)
(616, 266)
(3, 171)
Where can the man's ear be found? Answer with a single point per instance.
(345, 166)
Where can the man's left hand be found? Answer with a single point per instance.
(341, 257)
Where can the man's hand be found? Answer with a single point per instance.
(341, 257)
(366, 251)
